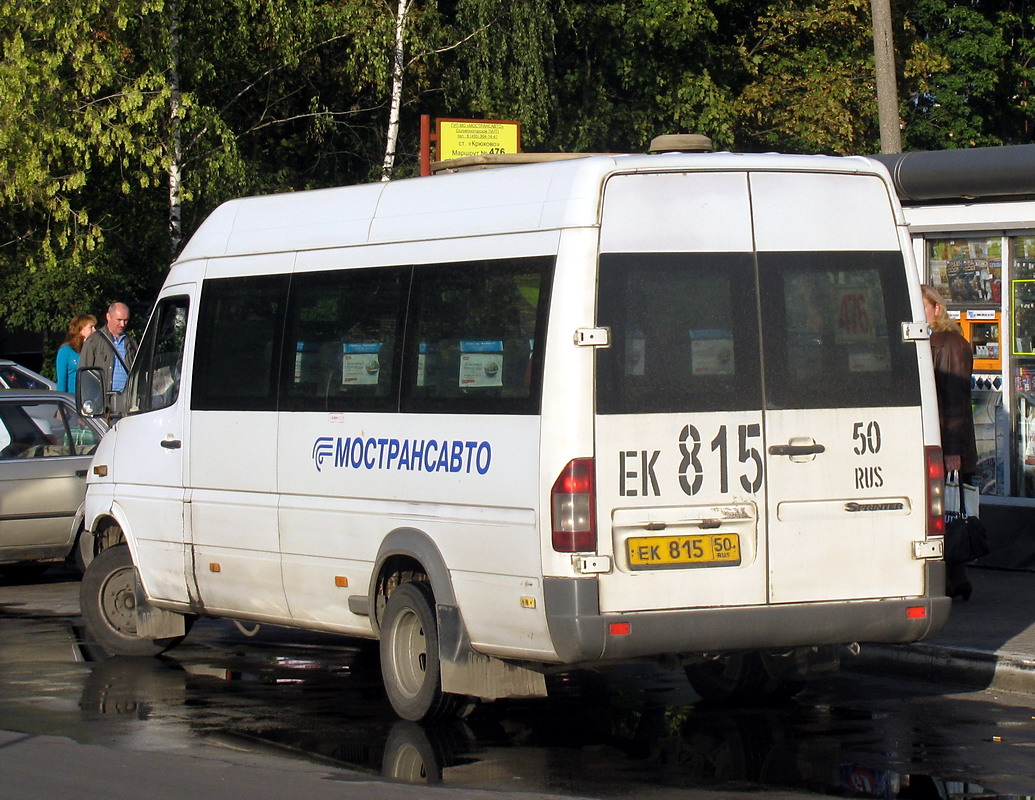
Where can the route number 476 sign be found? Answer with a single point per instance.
(458, 138)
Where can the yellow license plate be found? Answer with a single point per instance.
(701, 550)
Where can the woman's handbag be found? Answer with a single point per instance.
(965, 534)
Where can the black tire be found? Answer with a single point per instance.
(410, 755)
(782, 688)
(410, 656)
(738, 677)
(82, 551)
(107, 601)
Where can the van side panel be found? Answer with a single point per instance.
(347, 481)
(233, 459)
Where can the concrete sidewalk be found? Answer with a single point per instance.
(988, 642)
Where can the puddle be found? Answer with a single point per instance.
(634, 731)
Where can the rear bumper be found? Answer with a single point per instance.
(581, 633)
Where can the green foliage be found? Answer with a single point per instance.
(99, 101)
(811, 86)
(593, 76)
(75, 113)
(976, 93)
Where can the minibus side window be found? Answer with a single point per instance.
(472, 336)
(240, 324)
(833, 323)
(684, 333)
(155, 379)
(342, 346)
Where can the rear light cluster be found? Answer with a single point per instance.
(573, 508)
(935, 491)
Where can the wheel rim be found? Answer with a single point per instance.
(410, 653)
(118, 602)
(408, 765)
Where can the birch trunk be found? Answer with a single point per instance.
(175, 133)
(398, 63)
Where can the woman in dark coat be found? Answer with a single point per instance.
(953, 364)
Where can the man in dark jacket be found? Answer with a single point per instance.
(110, 339)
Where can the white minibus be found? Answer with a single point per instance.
(536, 418)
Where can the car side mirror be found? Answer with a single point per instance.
(90, 397)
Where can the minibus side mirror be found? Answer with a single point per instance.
(90, 396)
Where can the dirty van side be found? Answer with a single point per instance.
(535, 418)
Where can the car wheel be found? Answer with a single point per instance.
(108, 604)
(82, 551)
(410, 656)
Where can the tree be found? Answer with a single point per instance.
(398, 68)
(117, 116)
(585, 76)
(811, 79)
(970, 84)
(73, 111)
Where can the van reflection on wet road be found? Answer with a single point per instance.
(617, 735)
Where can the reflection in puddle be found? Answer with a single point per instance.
(633, 731)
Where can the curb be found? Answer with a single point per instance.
(974, 669)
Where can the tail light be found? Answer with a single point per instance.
(573, 508)
(935, 491)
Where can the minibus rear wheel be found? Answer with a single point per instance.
(107, 602)
(739, 677)
(410, 665)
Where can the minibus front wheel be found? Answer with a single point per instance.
(107, 599)
(410, 663)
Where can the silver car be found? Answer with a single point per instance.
(45, 451)
(15, 376)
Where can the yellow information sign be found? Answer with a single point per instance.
(474, 137)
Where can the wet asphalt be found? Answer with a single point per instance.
(282, 714)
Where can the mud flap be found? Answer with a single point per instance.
(466, 672)
(155, 623)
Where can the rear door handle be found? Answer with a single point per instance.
(80, 473)
(796, 449)
(171, 444)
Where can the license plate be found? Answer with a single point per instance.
(701, 550)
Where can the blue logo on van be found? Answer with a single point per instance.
(409, 455)
(323, 449)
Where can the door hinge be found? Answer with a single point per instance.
(593, 337)
(592, 565)
(915, 331)
(928, 548)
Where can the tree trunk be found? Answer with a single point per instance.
(175, 143)
(398, 63)
(887, 86)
